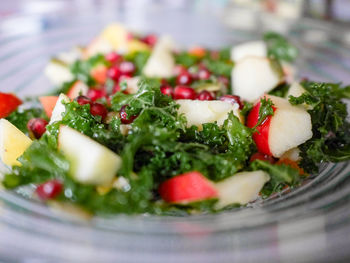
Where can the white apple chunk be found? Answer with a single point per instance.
(198, 112)
(161, 63)
(13, 143)
(78, 88)
(248, 49)
(58, 72)
(295, 90)
(254, 76)
(292, 154)
(290, 126)
(90, 162)
(241, 188)
(59, 108)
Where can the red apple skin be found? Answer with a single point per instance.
(186, 188)
(261, 137)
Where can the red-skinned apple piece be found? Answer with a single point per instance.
(289, 127)
(186, 188)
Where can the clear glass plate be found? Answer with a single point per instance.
(308, 224)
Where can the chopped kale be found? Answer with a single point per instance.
(20, 117)
(330, 140)
(279, 47)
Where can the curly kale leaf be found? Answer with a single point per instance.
(40, 162)
(20, 117)
(279, 47)
(330, 128)
(266, 109)
(280, 174)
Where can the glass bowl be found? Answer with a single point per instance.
(308, 224)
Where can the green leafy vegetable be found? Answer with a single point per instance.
(265, 110)
(139, 59)
(20, 117)
(330, 140)
(280, 174)
(278, 47)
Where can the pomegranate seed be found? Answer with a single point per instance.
(164, 82)
(203, 73)
(263, 157)
(179, 69)
(113, 57)
(82, 100)
(125, 119)
(49, 189)
(204, 95)
(233, 99)
(223, 80)
(150, 39)
(95, 94)
(184, 78)
(127, 68)
(167, 90)
(114, 73)
(117, 88)
(184, 92)
(37, 127)
(98, 109)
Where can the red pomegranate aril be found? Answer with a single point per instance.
(150, 39)
(204, 95)
(184, 92)
(124, 118)
(82, 100)
(167, 90)
(179, 69)
(233, 99)
(113, 57)
(36, 127)
(114, 73)
(98, 109)
(184, 78)
(49, 189)
(203, 74)
(95, 94)
(262, 157)
(127, 68)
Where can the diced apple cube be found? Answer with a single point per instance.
(13, 143)
(198, 112)
(91, 162)
(59, 108)
(241, 188)
(248, 49)
(254, 76)
(58, 72)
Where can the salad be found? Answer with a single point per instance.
(138, 125)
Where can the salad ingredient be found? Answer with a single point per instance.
(161, 63)
(13, 143)
(124, 118)
(36, 127)
(167, 90)
(48, 103)
(330, 141)
(49, 190)
(98, 109)
(58, 72)
(233, 99)
(254, 76)
(241, 188)
(198, 112)
(204, 95)
(278, 47)
(248, 49)
(90, 162)
(289, 127)
(78, 88)
(184, 93)
(186, 188)
(184, 78)
(59, 108)
(8, 104)
(20, 117)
